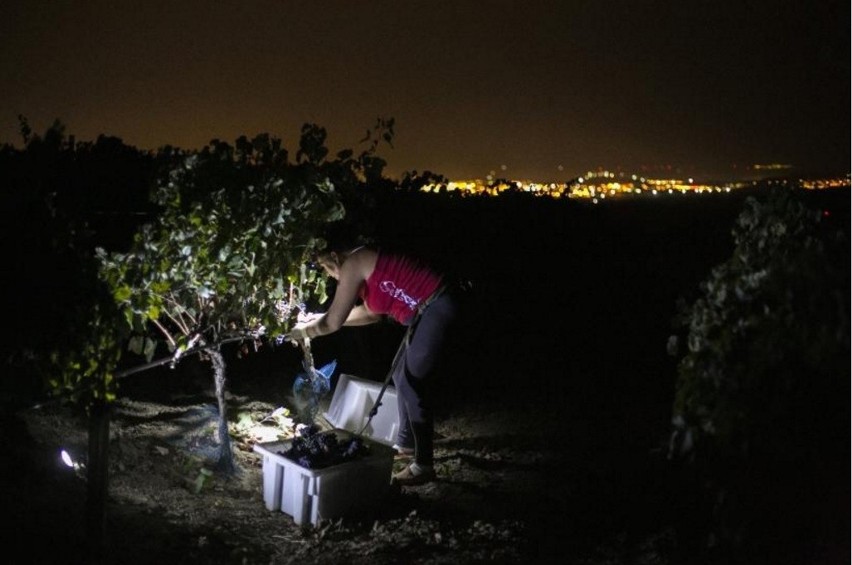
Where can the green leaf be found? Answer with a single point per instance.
(122, 293)
(135, 344)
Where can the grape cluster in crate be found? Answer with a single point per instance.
(314, 449)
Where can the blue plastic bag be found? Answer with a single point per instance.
(309, 389)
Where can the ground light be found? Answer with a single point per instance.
(78, 466)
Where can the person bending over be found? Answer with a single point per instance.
(373, 283)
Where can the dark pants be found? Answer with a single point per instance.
(414, 374)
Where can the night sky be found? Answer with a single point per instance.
(525, 89)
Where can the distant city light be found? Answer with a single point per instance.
(597, 185)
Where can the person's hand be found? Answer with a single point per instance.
(299, 332)
(305, 317)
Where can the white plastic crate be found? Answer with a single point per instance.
(350, 407)
(310, 495)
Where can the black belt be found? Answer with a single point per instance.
(432, 298)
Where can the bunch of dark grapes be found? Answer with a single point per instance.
(313, 449)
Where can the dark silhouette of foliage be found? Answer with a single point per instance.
(61, 199)
(761, 402)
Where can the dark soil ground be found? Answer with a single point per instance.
(553, 423)
(518, 482)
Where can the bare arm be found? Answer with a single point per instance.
(361, 316)
(343, 311)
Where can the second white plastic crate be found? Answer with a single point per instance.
(350, 407)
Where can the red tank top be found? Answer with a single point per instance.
(398, 285)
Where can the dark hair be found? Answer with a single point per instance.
(341, 236)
